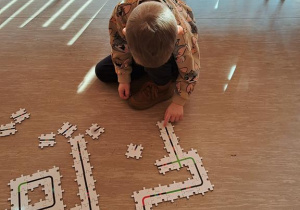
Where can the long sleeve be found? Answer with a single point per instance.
(120, 54)
(186, 53)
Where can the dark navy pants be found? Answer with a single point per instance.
(105, 71)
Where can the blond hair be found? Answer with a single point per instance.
(151, 32)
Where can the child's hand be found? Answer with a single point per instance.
(124, 90)
(174, 113)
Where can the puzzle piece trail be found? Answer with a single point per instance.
(50, 180)
(145, 198)
(175, 160)
(134, 151)
(85, 180)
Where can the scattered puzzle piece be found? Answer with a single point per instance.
(95, 131)
(134, 151)
(47, 140)
(67, 129)
(176, 159)
(20, 116)
(8, 129)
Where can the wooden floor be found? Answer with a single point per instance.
(243, 117)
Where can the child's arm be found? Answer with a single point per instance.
(187, 55)
(120, 54)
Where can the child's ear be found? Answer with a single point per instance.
(180, 29)
(124, 31)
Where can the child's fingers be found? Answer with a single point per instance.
(167, 118)
(172, 118)
(127, 92)
(122, 94)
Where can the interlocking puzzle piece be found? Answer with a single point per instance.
(49, 179)
(94, 131)
(134, 151)
(8, 129)
(162, 197)
(143, 198)
(166, 164)
(47, 140)
(67, 129)
(170, 139)
(18, 190)
(20, 115)
(176, 190)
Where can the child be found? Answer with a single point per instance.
(159, 38)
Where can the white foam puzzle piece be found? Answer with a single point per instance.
(8, 129)
(20, 115)
(94, 131)
(84, 177)
(67, 129)
(199, 184)
(50, 180)
(134, 151)
(47, 140)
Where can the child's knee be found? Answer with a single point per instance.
(98, 72)
(105, 73)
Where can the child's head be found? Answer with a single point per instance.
(151, 32)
